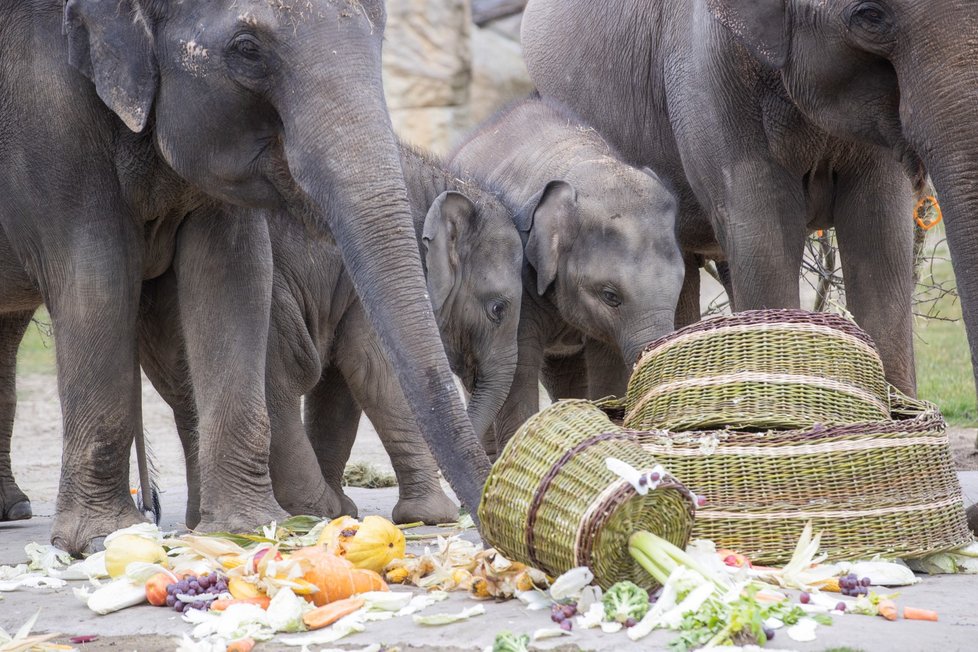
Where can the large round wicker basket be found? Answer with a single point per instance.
(757, 370)
(552, 502)
(874, 488)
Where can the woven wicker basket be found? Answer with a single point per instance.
(757, 370)
(552, 503)
(885, 487)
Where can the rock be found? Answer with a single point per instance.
(427, 59)
(435, 128)
(499, 75)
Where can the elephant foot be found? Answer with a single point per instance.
(80, 531)
(240, 516)
(328, 504)
(14, 504)
(349, 507)
(973, 518)
(431, 509)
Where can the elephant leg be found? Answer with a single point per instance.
(94, 302)
(373, 384)
(875, 232)
(688, 309)
(565, 376)
(723, 271)
(14, 504)
(332, 418)
(223, 266)
(162, 354)
(607, 372)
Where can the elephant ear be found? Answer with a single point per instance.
(111, 43)
(545, 217)
(446, 226)
(761, 25)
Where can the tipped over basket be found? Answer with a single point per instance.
(756, 370)
(552, 502)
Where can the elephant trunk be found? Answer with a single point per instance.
(651, 327)
(492, 384)
(343, 156)
(939, 110)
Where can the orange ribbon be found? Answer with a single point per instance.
(927, 206)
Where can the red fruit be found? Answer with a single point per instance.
(156, 589)
(256, 560)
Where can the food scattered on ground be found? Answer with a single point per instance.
(302, 578)
(367, 476)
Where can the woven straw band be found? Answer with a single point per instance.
(685, 337)
(599, 511)
(755, 377)
(801, 449)
(545, 482)
(836, 513)
(779, 318)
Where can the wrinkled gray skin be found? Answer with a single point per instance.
(774, 117)
(123, 117)
(321, 346)
(602, 270)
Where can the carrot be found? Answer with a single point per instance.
(220, 605)
(241, 645)
(887, 609)
(328, 614)
(912, 613)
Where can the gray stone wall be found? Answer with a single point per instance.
(442, 74)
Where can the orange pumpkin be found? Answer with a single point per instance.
(335, 577)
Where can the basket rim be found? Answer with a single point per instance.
(767, 317)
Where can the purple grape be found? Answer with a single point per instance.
(866, 581)
(222, 586)
(199, 605)
(204, 582)
(642, 480)
(182, 586)
(171, 589)
(171, 600)
(654, 477)
(841, 606)
(768, 633)
(180, 606)
(195, 585)
(569, 611)
(566, 625)
(804, 598)
(631, 622)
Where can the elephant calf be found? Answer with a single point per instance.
(321, 347)
(603, 270)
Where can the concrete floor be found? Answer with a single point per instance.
(149, 628)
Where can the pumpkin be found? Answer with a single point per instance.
(372, 544)
(242, 589)
(335, 577)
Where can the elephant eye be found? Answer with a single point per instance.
(611, 297)
(496, 309)
(870, 16)
(246, 46)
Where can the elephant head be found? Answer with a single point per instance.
(901, 74)
(280, 105)
(604, 247)
(473, 258)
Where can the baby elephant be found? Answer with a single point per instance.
(603, 269)
(322, 347)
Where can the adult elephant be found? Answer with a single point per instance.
(773, 117)
(118, 119)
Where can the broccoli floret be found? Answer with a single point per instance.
(624, 602)
(510, 642)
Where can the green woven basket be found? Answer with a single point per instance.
(757, 370)
(886, 487)
(551, 501)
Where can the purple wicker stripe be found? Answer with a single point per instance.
(531, 515)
